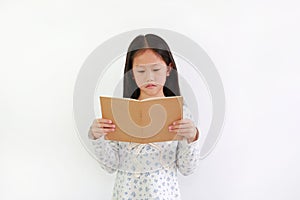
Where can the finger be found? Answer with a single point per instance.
(190, 132)
(181, 126)
(182, 121)
(108, 130)
(102, 130)
(101, 120)
(184, 131)
(98, 132)
(103, 125)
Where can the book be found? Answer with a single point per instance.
(142, 121)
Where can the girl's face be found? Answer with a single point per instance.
(150, 73)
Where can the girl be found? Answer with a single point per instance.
(148, 171)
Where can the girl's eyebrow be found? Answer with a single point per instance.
(150, 64)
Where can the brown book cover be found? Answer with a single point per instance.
(142, 121)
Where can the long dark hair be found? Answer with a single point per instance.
(159, 46)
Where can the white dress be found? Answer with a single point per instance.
(147, 171)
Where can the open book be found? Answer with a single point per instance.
(142, 121)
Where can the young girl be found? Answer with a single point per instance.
(148, 171)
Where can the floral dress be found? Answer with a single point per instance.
(147, 171)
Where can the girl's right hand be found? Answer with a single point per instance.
(101, 127)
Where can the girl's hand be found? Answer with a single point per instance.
(186, 128)
(101, 127)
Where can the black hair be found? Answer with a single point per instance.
(160, 47)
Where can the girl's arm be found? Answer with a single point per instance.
(106, 151)
(188, 149)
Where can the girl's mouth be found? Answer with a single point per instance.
(150, 85)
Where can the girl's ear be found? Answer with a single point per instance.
(169, 68)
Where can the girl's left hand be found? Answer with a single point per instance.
(186, 128)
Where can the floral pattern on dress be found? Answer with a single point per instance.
(147, 171)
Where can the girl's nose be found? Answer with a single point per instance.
(150, 76)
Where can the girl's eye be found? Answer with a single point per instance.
(156, 70)
(141, 71)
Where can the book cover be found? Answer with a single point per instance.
(142, 121)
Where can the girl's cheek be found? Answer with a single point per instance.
(139, 82)
(162, 80)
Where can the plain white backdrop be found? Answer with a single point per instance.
(254, 44)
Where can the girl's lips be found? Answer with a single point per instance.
(150, 85)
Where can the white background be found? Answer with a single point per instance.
(254, 44)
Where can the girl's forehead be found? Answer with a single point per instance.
(147, 57)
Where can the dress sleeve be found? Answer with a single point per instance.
(106, 151)
(188, 154)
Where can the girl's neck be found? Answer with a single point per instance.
(145, 96)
